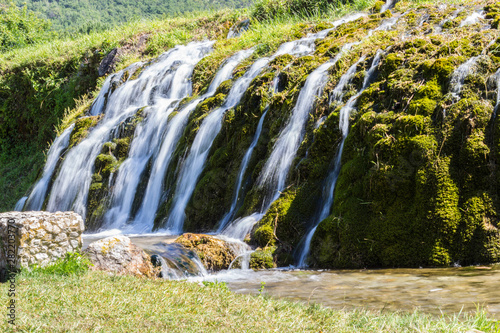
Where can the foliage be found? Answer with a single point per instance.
(270, 9)
(77, 16)
(20, 27)
(73, 263)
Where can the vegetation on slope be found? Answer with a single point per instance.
(71, 16)
(19, 27)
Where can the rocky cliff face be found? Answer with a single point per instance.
(400, 132)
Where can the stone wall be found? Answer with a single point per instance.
(38, 237)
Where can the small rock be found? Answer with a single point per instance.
(119, 255)
(215, 253)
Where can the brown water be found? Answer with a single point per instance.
(434, 291)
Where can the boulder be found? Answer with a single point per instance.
(108, 63)
(119, 255)
(215, 253)
(28, 238)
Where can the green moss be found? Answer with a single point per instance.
(423, 106)
(262, 258)
(81, 129)
(377, 7)
(264, 234)
(122, 147)
(391, 62)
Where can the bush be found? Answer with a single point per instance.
(269, 9)
(73, 263)
(18, 28)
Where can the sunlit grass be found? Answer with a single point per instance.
(97, 301)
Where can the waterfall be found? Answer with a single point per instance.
(276, 168)
(151, 200)
(20, 204)
(194, 163)
(37, 196)
(344, 114)
(296, 48)
(70, 189)
(244, 164)
(458, 77)
(174, 87)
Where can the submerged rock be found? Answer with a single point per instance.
(119, 255)
(215, 253)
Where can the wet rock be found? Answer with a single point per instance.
(175, 262)
(108, 63)
(119, 255)
(215, 253)
(38, 237)
(262, 259)
(238, 28)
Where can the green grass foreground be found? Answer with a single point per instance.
(99, 302)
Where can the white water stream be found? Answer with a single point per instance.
(37, 196)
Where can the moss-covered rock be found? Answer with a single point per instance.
(81, 129)
(262, 259)
(215, 254)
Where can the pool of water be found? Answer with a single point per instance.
(430, 290)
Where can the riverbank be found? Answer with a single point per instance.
(97, 301)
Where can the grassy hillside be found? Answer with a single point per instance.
(88, 15)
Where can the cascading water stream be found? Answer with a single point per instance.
(37, 196)
(194, 163)
(70, 189)
(164, 99)
(458, 76)
(239, 228)
(151, 200)
(277, 166)
(331, 181)
(244, 164)
(20, 204)
(388, 5)
(472, 19)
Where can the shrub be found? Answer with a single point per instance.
(73, 263)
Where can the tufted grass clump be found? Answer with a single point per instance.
(73, 263)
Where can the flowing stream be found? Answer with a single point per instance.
(37, 196)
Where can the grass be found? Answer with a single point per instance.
(99, 302)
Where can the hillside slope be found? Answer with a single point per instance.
(88, 15)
